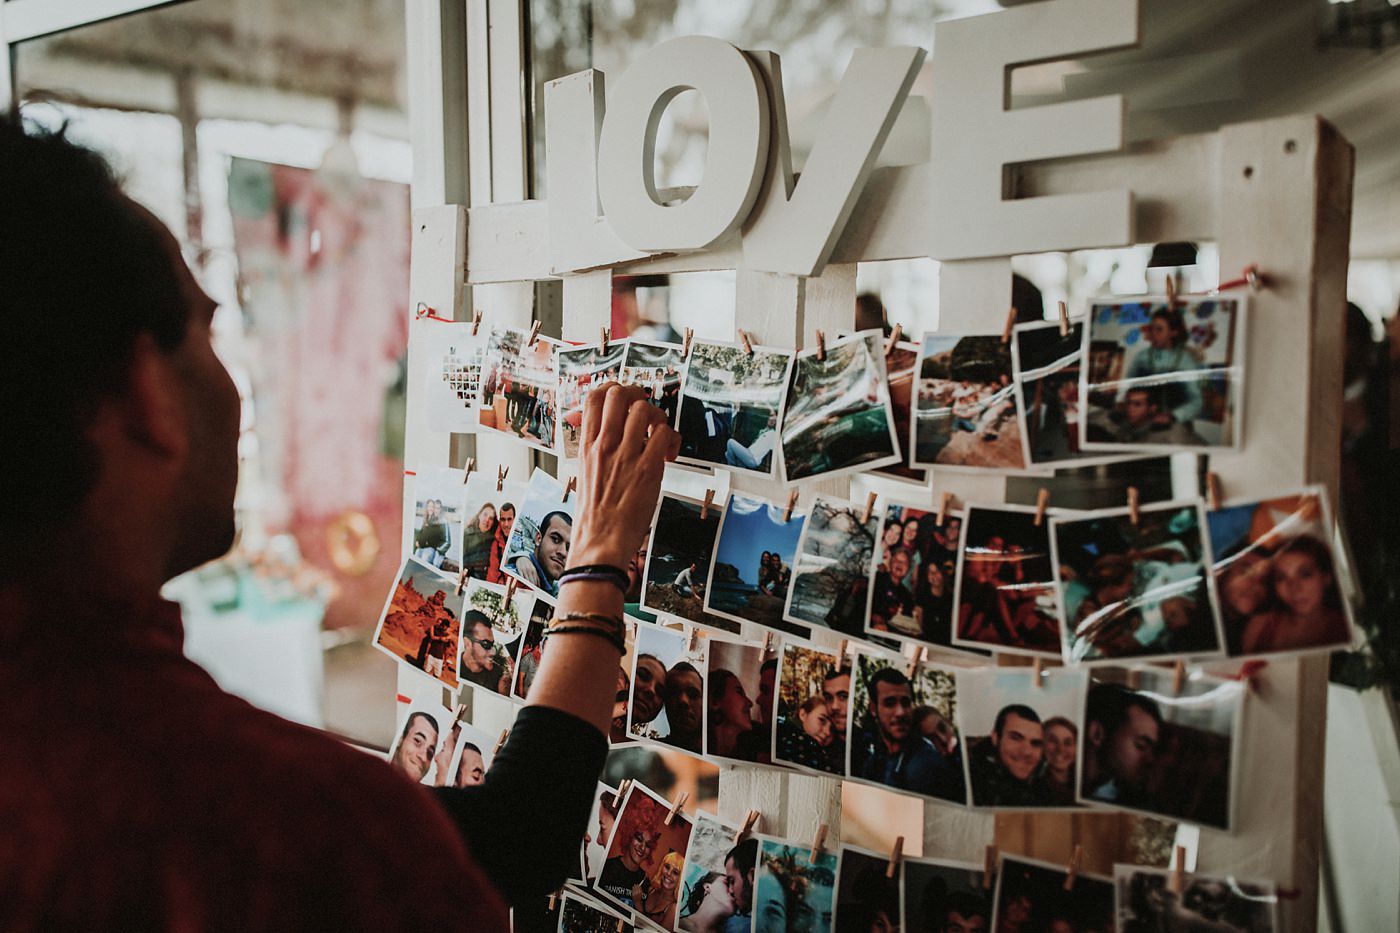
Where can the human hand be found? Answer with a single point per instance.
(622, 453)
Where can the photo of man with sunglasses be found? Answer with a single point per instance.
(482, 665)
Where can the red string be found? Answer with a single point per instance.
(1250, 276)
(423, 311)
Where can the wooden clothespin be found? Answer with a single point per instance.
(621, 925)
(767, 642)
(534, 334)
(747, 343)
(467, 473)
(1213, 491)
(689, 339)
(692, 639)
(605, 334)
(476, 322)
(1133, 499)
(989, 866)
(709, 501)
(749, 820)
(569, 488)
(841, 651)
(1064, 319)
(461, 581)
(1036, 672)
(943, 501)
(894, 339)
(1176, 882)
(500, 743)
(821, 346)
(869, 507)
(675, 807)
(1010, 323)
(1075, 861)
(553, 899)
(1172, 299)
(1042, 501)
(501, 478)
(915, 660)
(819, 841)
(511, 584)
(622, 790)
(791, 504)
(896, 851)
(1178, 676)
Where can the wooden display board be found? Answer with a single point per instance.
(1275, 193)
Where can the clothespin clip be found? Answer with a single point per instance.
(605, 334)
(1064, 319)
(692, 639)
(689, 339)
(511, 584)
(709, 501)
(748, 344)
(1075, 861)
(476, 322)
(461, 581)
(869, 507)
(569, 488)
(675, 807)
(894, 339)
(534, 334)
(1309, 508)
(1037, 671)
(1178, 676)
(622, 790)
(896, 851)
(821, 346)
(841, 651)
(1042, 500)
(749, 820)
(818, 842)
(621, 925)
(989, 866)
(1213, 491)
(915, 660)
(553, 899)
(1133, 499)
(467, 472)
(1010, 323)
(767, 642)
(500, 743)
(1172, 299)
(501, 478)
(791, 503)
(1176, 882)
(943, 501)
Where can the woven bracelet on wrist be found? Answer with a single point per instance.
(622, 585)
(600, 572)
(611, 638)
(615, 624)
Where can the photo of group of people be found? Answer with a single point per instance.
(668, 689)
(683, 535)
(1048, 366)
(579, 370)
(965, 404)
(752, 569)
(731, 406)
(867, 893)
(519, 387)
(645, 859)
(942, 896)
(489, 517)
(1162, 374)
(431, 746)
(1033, 896)
(580, 914)
(717, 890)
(1004, 597)
(453, 387)
(911, 585)
(421, 622)
(795, 888)
(658, 369)
(1147, 903)
(741, 685)
(813, 699)
(532, 645)
(538, 549)
(437, 518)
(831, 574)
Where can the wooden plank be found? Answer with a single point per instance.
(437, 89)
(32, 19)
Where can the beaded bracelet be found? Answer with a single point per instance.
(611, 638)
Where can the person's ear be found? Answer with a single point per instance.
(1094, 733)
(150, 412)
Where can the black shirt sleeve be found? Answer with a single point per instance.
(524, 825)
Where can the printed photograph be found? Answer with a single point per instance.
(945, 897)
(1277, 576)
(900, 365)
(866, 900)
(1163, 376)
(717, 891)
(831, 575)
(468, 752)
(965, 405)
(752, 569)
(538, 549)
(421, 622)
(601, 820)
(905, 736)
(1022, 739)
(645, 859)
(1031, 895)
(1004, 597)
(580, 369)
(491, 635)
(622, 701)
(682, 546)
(731, 405)
(489, 517)
(837, 418)
(1150, 749)
(795, 890)
(519, 387)
(659, 368)
(531, 648)
(911, 585)
(668, 689)
(437, 518)
(453, 364)
(422, 725)
(741, 694)
(1146, 903)
(580, 914)
(1047, 368)
(813, 709)
(1139, 590)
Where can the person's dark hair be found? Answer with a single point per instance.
(696, 895)
(768, 665)
(474, 617)
(1015, 709)
(419, 714)
(870, 313)
(835, 672)
(1153, 393)
(1321, 556)
(966, 904)
(886, 675)
(1175, 321)
(84, 276)
(719, 683)
(1108, 706)
(558, 513)
(1027, 300)
(684, 667)
(472, 747)
(744, 855)
(504, 506)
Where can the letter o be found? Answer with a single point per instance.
(734, 162)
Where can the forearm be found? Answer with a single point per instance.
(578, 673)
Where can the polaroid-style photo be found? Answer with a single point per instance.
(741, 687)
(965, 404)
(659, 369)
(681, 548)
(904, 730)
(469, 752)
(865, 898)
(421, 622)
(581, 914)
(813, 709)
(532, 645)
(1004, 595)
(831, 574)
(579, 370)
(901, 361)
(1161, 377)
(1047, 367)
(437, 518)
(838, 418)
(731, 406)
(911, 581)
(668, 689)
(492, 630)
(622, 700)
(752, 568)
(453, 386)
(601, 820)
(1135, 589)
(707, 901)
(1278, 579)
(519, 387)
(794, 887)
(1152, 749)
(1146, 903)
(1021, 738)
(1031, 895)
(421, 723)
(943, 896)
(538, 549)
(645, 859)
(488, 518)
